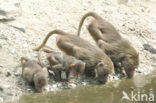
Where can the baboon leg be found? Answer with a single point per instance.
(58, 67)
(93, 29)
(68, 47)
(57, 70)
(107, 47)
(67, 75)
(54, 60)
(104, 45)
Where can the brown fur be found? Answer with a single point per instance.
(60, 62)
(69, 65)
(52, 56)
(79, 48)
(33, 73)
(109, 40)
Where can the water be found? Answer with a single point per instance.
(111, 92)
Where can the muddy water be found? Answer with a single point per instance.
(140, 89)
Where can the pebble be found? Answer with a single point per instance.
(12, 51)
(72, 85)
(1, 100)
(8, 74)
(5, 86)
(19, 27)
(4, 37)
(1, 89)
(84, 83)
(1, 65)
(16, 74)
(54, 86)
(9, 10)
(149, 48)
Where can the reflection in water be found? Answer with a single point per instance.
(140, 89)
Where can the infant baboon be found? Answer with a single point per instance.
(77, 47)
(61, 62)
(109, 40)
(33, 73)
(69, 65)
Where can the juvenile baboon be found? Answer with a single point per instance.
(110, 41)
(77, 47)
(33, 73)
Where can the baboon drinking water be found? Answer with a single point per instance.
(79, 48)
(110, 41)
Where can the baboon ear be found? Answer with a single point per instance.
(23, 61)
(100, 64)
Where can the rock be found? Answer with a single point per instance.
(19, 27)
(138, 71)
(5, 86)
(9, 10)
(149, 48)
(71, 85)
(12, 51)
(1, 89)
(4, 37)
(84, 83)
(16, 74)
(1, 100)
(8, 74)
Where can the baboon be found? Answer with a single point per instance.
(81, 49)
(60, 62)
(110, 41)
(69, 65)
(34, 74)
(48, 50)
(52, 56)
(55, 58)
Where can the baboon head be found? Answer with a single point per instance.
(101, 72)
(41, 79)
(130, 63)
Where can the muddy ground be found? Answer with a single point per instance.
(25, 23)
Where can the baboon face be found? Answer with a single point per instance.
(101, 72)
(130, 63)
(41, 79)
(40, 84)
